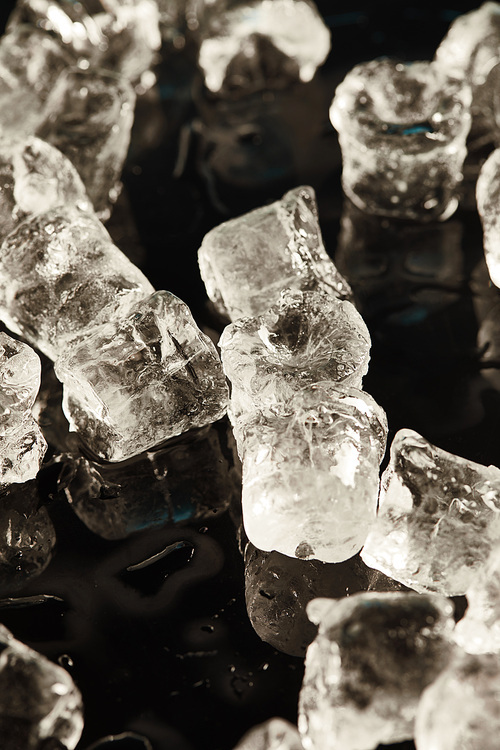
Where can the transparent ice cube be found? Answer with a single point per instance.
(135, 381)
(402, 130)
(488, 199)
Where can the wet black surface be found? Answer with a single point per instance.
(154, 627)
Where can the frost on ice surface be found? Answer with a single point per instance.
(88, 117)
(30, 63)
(136, 381)
(488, 199)
(478, 632)
(460, 710)
(22, 444)
(60, 274)
(274, 734)
(38, 699)
(402, 129)
(35, 178)
(304, 338)
(311, 472)
(246, 262)
(251, 43)
(438, 519)
(372, 658)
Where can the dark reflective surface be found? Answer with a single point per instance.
(151, 622)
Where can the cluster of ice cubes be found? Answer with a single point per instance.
(311, 441)
(67, 74)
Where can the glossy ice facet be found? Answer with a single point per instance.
(138, 380)
(39, 700)
(372, 658)
(60, 274)
(402, 129)
(246, 262)
(311, 472)
(260, 43)
(88, 117)
(459, 711)
(438, 519)
(303, 339)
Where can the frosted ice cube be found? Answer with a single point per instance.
(306, 337)
(30, 63)
(247, 44)
(438, 519)
(274, 734)
(60, 274)
(402, 129)
(88, 117)
(488, 199)
(136, 381)
(311, 472)
(459, 711)
(246, 262)
(372, 658)
(39, 700)
(478, 632)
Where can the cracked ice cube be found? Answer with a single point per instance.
(459, 711)
(365, 671)
(488, 198)
(136, 381)
(39, 700)
(246, 262)
(305, 338)
(88, 117)
(60, 274)
(258, 43)
(438, 519)
(402, 130)
(311, 472)
(274, 734)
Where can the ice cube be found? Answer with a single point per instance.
(30, 63)
(438, 519)
(459, 711)
(135, 381)
(39, 700)
(260, 43)
(311, 472)
(488, 197)
(246, 262)
(60, 274)
(27, 536)
(22, 444)
(402, 130)
(305, 338)
(478, 632)
(372, 658)
(190, 480)
(274, 734)
(88, 117)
